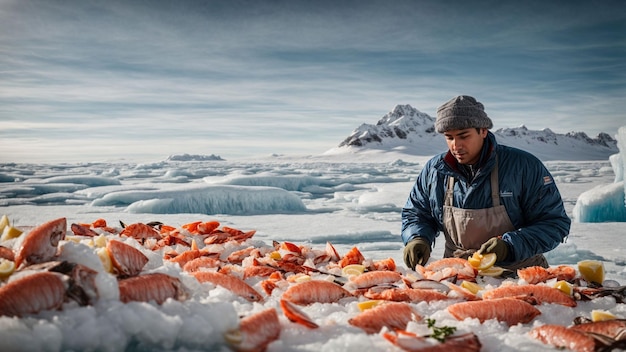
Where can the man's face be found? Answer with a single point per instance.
(465, 145)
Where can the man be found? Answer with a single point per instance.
(483, 196)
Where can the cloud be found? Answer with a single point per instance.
(269, 75)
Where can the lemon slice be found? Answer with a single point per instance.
(591, 270)
(353, 269)
(482, 261)
(601, 315)
(493, 271)
(365, 305)
(474, 260)
(564, 287)
(7, 267)
(471, 286)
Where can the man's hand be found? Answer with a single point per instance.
(463, 253)
(497, 246)
(416, 252)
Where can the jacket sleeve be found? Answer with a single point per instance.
(417, 217)
(545, 223)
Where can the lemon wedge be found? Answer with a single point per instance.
(10, 232)
(100, 241)
(7, 267)
(105, 259)
(302, 278)
(471, 286)
(75, 239)
(493, 271)
(601, 315)
(353, 269)
(482, 261)
(233, 337)
(275, 255)
(591, 270)
(365, 305)
(564, 287)
(4, 222)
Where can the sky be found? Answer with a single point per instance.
(108, 80)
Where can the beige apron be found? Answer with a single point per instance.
(468, 229)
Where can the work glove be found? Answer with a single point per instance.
(416, 252)
(497, 246)
(463, 253)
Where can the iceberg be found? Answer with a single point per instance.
(206, 199)
(606, 202)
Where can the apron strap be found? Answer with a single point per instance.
(449, 200)
(495, 188)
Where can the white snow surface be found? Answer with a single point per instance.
(348, 199)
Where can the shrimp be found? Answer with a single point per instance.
(237, 257)
(140, 231)
(354, 256)
(509, 310)
(562, 337)
(462, 293)
(536, 274)
(156, 286)
(315, 291)
(610, 328)
(295, 314)
(227, 234)
(563, 272)
(255, 331)
(82, 230)
(125, 259)
(258, 270)
(268, 286)
(231, 283)
(205, 228)
(373, 278)
(538, 293)
(186, 256)
(7, 253)
(445, 268)
(201, 262)
(393, 315)
(384, 264)
(32, 294)
(409, 341)
(415, 295)
(40, 245)
(331, 252)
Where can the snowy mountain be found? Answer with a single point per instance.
(406, 129)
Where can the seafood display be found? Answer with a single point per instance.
(54, 267)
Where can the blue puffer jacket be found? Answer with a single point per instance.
(527, 190)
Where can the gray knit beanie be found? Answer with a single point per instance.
(460, 113)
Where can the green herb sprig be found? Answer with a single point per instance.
(439, 332)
